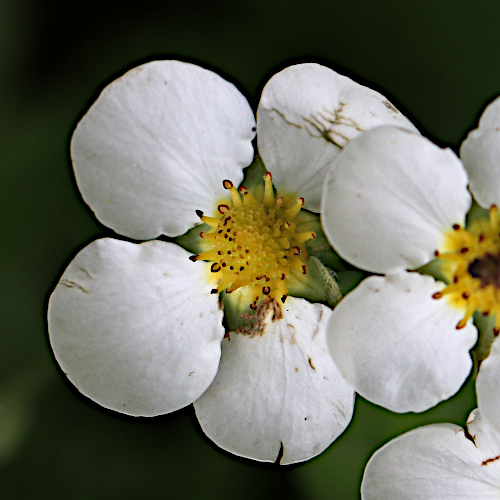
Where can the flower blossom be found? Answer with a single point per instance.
(442, 461)
(393, 202)
(437, 462)
(137, 327)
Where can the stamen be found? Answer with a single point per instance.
(268, 200)
(303, 237)
(291, 212)
(255, 243)
(235, 197)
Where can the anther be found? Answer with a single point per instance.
(215, 267)
(223, 209)
(227, 184)
(266, 290)
(456, 227)
(199, 213)
(192, 258)
(214, 290)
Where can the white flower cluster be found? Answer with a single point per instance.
(138, 327)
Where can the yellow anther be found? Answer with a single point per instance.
(471, 263)
(254, 243)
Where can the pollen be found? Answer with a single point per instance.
(472, 267)
(255, 243)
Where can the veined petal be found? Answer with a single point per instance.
(488, 386)
(389, 199)
(156, 146)
(135, 327)
(397, 346)
(278, 387)
(306, 115)
(480, 153)
(434, 462)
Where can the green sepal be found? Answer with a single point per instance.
(318, 285)
(485, 326)
(434, 268)
(350, 279)
(237, 312)
(192, 242)
(319, 247)
(476, 212)
(254, 177)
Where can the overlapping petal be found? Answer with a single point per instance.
(390, 198)
(397, 346)
(488, 387)
(480, 153)
(306, 115)
(436, 462)
(278, 387)
(135, 327)
(156, 145)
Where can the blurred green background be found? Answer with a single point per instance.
(438, 61)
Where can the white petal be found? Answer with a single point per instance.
(480, 153)
(135, 327)
(434, 462)
(278, 387)
(307, 113)
(398, 346)
(156, 146)
(390, 197)
(488, 386)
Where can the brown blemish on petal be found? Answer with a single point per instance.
(311, 364)
(486, 462)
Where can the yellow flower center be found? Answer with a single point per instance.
(472, 268)
(255, 243)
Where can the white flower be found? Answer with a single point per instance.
(392, 202)
(137, 327)
(437, 462)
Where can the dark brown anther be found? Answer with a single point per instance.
(436, 253)
(464, 250)
(456, 227)
(465, 295)
(243, 190)
(214, 290)
(193, 258)
(283, 298)
(223, 209)
(253, 306)
(215, 267)
(481, 237)
(266, 290)
(199, 213)
(296, 250)
(304, 269)
(242, 268)
(227, 184)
